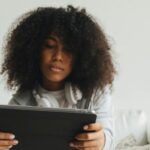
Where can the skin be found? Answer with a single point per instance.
(7, 140)
(56, 64)
(54, 55)
(92, 139)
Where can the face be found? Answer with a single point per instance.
(56, 63)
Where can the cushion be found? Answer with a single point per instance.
(148, 132)
(130, 123)
(129, 143)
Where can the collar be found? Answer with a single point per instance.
(72, 94)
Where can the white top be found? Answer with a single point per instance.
(48, 97)
(68, 98)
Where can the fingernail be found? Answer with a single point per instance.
(12, 136)
(10, 146)
(86, 127)
(15, 142)
(71, 144)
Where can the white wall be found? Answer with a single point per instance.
(127, 24)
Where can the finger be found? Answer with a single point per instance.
(93, 127)
(8, 142)
(88, 148)
(90, 135)
(73, 148)
(5, 147)
(81, 144)
(6, 135)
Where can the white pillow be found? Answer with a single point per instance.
(148, 132)
(129, 143)
(130, 122)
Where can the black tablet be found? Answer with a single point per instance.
(39, 128)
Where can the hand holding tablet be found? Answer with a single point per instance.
(43, 128)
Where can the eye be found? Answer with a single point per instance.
(50, 46)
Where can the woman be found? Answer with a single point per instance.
(60, 57)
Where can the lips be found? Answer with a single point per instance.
(56, 68)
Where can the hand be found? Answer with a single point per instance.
(7, 141)
(93, 139)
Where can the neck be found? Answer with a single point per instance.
(52, 86)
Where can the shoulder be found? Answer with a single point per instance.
(101, 99)
(22, 98)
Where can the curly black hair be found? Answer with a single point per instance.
(81, 35)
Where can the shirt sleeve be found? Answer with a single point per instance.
(13, 102)
(102, 105)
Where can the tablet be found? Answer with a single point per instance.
(38, 128)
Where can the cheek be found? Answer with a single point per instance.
(44, 61)
(69, 63)
(69, 67)
(45, 57)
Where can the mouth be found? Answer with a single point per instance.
(56, 69)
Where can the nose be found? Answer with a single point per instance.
(58, 54)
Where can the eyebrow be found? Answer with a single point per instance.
(51, 38)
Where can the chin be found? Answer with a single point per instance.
(55, 79)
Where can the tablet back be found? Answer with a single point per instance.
(43, 128)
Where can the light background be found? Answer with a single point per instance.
(127, 25)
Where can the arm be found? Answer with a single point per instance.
(104, 111)
(7, 140)
(99, 135)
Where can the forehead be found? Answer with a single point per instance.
(53, 38)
